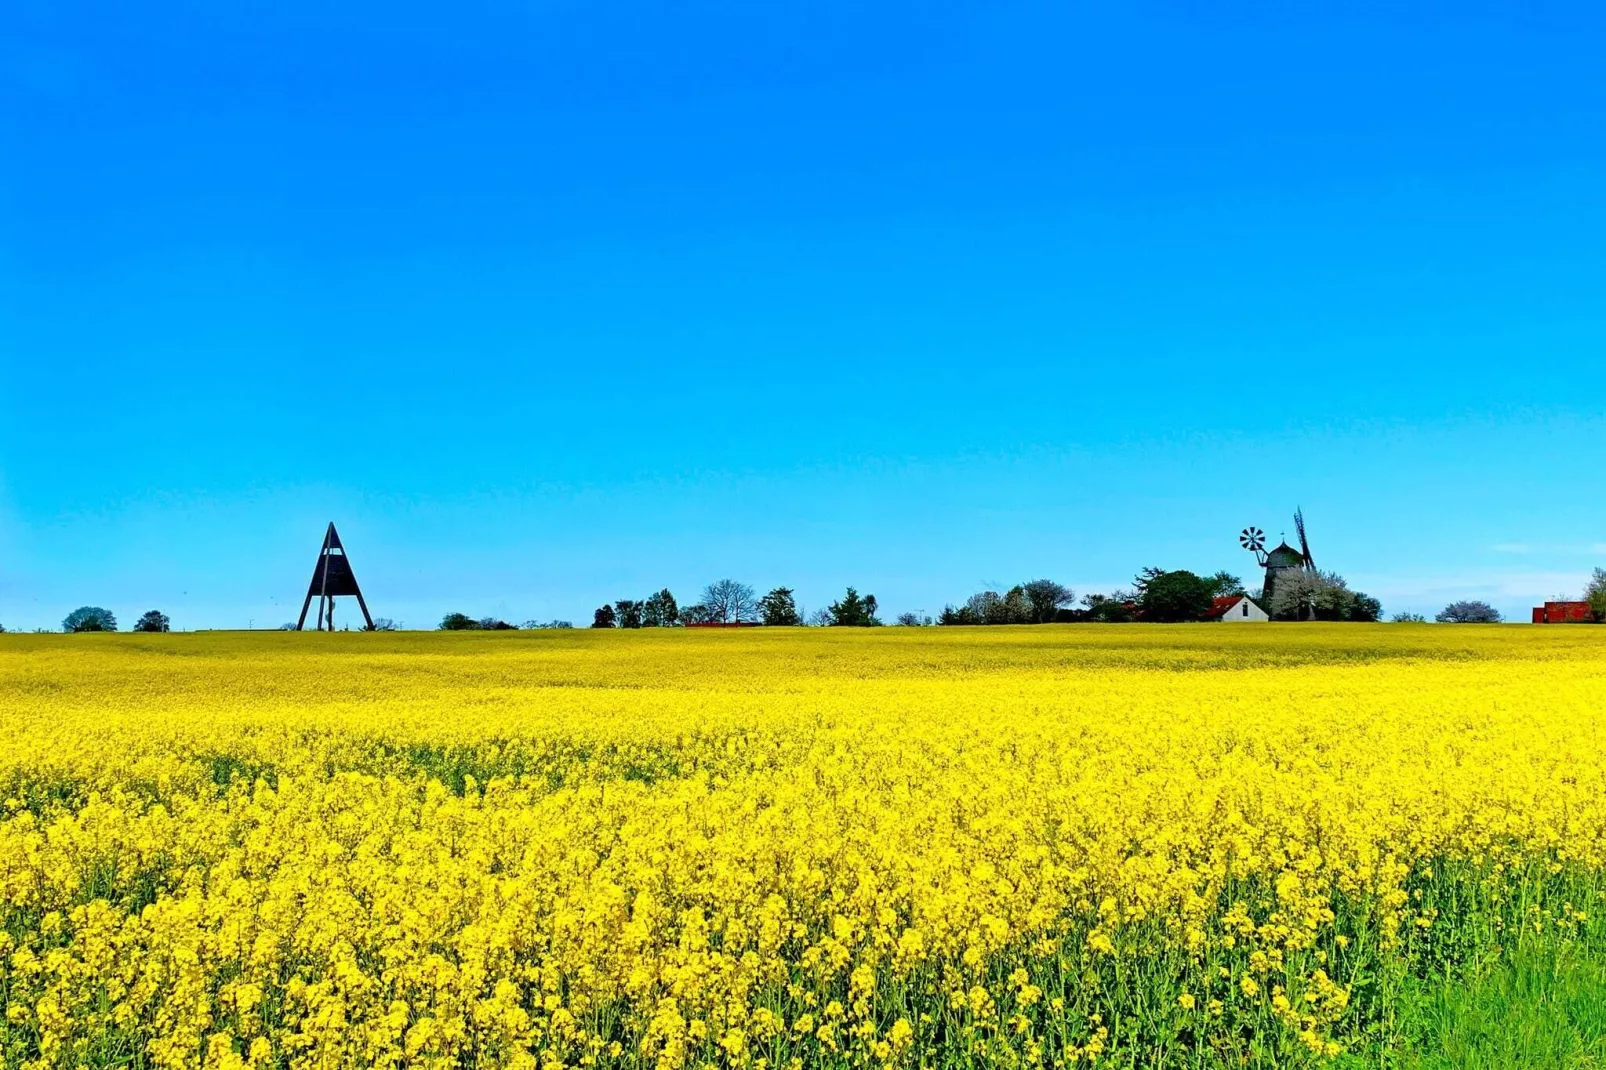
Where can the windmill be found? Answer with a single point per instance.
(1279, 561)
(331, 577)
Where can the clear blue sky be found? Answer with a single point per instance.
(549, 304)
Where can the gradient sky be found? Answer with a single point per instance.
(550, 304)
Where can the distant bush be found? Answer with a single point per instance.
(913, 620)
(1408, 618)
(89, 619)
(458, 622)
(496, 624)
(153, 620)
(536, 625)
(383, 624)
(1469, 613)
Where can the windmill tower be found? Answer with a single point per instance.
(331, 578)
(1282, 560)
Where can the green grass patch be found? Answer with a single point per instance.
(1539, 1005)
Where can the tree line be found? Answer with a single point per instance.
(1157, 594)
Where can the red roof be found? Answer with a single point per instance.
(1219, 606)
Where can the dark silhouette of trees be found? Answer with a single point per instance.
(1117, 608)
(153, 620)
(854, 612)
(729, 602)
(458, 622)
(778, 609)
(604, 617)
(1046, 597)
(660, 611)
(496, 624)
(89, 619)
(1469, 612)
(628, 613)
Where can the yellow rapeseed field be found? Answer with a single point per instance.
(900, 847)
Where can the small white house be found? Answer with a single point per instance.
(1237, 609)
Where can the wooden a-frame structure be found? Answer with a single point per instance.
(331, 578)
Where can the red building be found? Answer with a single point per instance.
(1563, 613)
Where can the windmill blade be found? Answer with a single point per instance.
(1304, 545)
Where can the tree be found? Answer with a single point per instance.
(458, 622)
(628, 612)
(89, 619)
(1142, 580)
(496, 624)
(1404, 617)
(383, 624)
(1224, 585)
(1294, 597)
(821, 618)
(1117, 608)
(1307, 595)
(604, 617)
(729, 602)
(536, 625)
(660, 611)
(1046, 598)
(1595, 595)
(1171, 597)
(985, 607)
(1364, 609)
(153, 620)
(1016, 607)
(952, 616)
(854, 612)
(778, 609)
(697, 613)
(913, 620)
(1468, 612)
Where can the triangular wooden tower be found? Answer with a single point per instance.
(331, 578)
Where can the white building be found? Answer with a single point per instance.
(1237, 609)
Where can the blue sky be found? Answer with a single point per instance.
(550, 304)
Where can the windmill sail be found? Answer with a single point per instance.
(1304, 545)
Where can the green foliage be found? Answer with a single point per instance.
(628, 613)
(779, 609)
(1224, 583)
(153, 620)
(1595, 595)
(1046, 597)
(1404, 617)
(89, 619)
(496, 624)
(854, 612)
(1117, 608)
(1172, 597)
(1468, 612)
(458, 622)
(604, 617)
(660, 611)
(1541, 1004)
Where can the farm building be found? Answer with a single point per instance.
(1236, 609)
(1563, 613)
